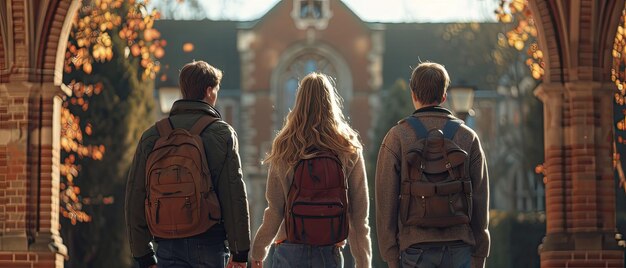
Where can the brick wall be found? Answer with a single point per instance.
(29, 132)
(583, 259)
(29, 177)
(13, 152)
(30, 260)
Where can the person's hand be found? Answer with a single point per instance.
(232, 264)
(257, 264)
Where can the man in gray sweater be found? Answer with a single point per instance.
(408, 238)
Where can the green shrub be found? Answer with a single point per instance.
(515, 238)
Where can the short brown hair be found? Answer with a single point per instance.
(195, 77)
(429, 82)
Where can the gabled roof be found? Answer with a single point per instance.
(466, 55)
(253, 23)
(214, 42)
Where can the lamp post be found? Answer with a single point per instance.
(461, 101)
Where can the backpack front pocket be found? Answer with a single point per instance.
(173, 204)
(316, 222)
(173, 210)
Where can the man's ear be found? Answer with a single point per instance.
(445, 97)
(209, 92)
(413, 97)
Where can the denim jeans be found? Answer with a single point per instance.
(192, 253)
(457, 255)
(288, 255)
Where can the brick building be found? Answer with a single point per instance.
(296, 36)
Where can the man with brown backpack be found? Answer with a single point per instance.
(432, 187)
(185, 189)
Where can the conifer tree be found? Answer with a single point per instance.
(110, 65)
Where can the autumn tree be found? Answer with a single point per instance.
(519, 146)
(618, 75)
(522, 34)
(110, 65)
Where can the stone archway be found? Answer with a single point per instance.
(33, 40)
(577, 40)
(576, 37)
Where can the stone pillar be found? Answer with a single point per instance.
(29, 176)
(580, 194)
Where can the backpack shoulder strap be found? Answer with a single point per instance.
(417, 126)
(164, 126)
(450, 128)
(201, 124)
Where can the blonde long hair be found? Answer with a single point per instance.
(316, 121)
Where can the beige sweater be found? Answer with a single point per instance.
(273, 228)
(393, 236)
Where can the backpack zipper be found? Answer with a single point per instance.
(158, 205)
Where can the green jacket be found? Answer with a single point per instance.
(222, 151)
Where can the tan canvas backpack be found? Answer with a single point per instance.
(436, 190)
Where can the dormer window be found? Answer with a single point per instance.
(311, 13)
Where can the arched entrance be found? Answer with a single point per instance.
(577, 39)
(33, 39)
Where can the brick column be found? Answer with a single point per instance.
(29, 176)
(48, 240)
(552, 97)
(13, 168)
(580, 197)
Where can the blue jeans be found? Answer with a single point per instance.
(192, 253)
(437, 256)
(287, 255)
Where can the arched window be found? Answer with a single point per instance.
(296, 70)
(295, 63)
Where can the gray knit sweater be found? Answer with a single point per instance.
(393, 236)
(273, 228)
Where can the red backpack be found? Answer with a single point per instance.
(180, 197)
(317, 204)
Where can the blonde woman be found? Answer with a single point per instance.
(316, 176)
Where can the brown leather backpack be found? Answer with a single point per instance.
(317, 203)
(437, 190)
(181, 200)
